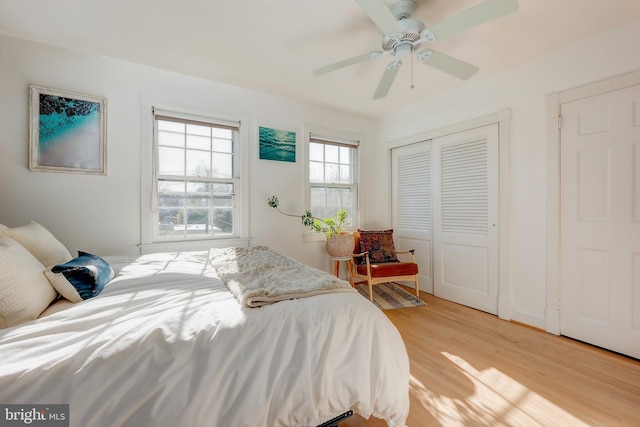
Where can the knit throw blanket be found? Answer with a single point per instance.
(258, 276)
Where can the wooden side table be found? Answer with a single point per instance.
(336, 265)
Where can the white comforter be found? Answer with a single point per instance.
(166, 344)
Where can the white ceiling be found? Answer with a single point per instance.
(273, 45)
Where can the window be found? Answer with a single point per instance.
(196, 178)
(333, 177)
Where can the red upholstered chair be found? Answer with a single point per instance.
(376, 261)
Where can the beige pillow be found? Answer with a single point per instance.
(61, 304)
(40, 242)
(24, 290)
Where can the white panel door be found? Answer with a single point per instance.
(412, 211)
(600, 221)
(465, 229)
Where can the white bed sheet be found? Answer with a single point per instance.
(166, 344)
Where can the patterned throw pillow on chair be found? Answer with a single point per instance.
(379, 244)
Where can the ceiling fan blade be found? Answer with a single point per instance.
(380, 14)
(345, 63)
(476, 15)
(446, 63)
(387, 79)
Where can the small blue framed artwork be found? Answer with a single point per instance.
(67, 132)
(276, 144)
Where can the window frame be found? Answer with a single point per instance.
(151, 241)
(337, 138)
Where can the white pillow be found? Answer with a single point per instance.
(25, 292)
(40, 242)
(3, 227)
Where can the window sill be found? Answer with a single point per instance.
(192, 245)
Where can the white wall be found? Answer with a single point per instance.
(523, 90)
(101, 214)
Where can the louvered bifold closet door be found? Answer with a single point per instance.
(465, 217)
(412, 206)
(465, 187)
(414, 194)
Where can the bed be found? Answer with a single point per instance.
(166, 343)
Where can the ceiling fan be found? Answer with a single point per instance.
(404, 37)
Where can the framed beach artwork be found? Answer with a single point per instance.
(67, 132)
(276, 144)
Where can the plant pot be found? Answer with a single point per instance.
(340, 245)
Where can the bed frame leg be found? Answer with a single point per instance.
(334, 421)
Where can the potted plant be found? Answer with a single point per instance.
(339, 243)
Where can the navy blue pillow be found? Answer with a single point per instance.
(81, 278)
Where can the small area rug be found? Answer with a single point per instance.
(387, 296)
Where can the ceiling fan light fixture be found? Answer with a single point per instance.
(403, 50)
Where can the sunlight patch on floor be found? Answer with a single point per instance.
(492, 399)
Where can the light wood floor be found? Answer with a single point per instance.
(469, 368)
